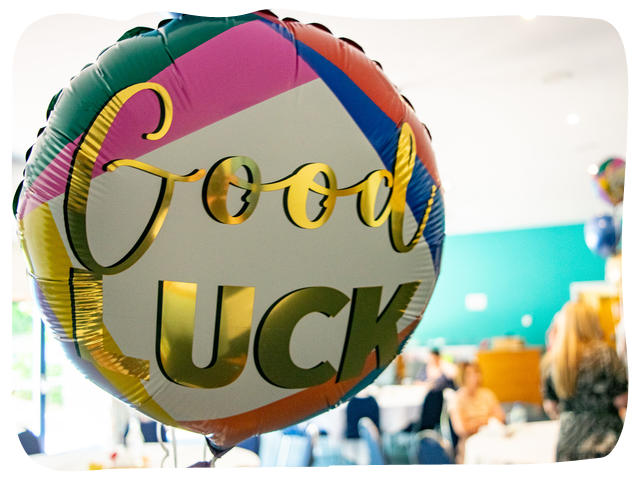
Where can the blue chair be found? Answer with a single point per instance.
(149, 432)
(252, 443)
(295, 451)
(431, 410)
(289, 448)
(30, 442)
(446, 426)
(326, 453)
(361, 407)
(371, 436)
(269, 447)
(431, 449)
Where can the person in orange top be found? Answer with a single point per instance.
(473, 406)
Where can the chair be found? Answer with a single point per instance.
(289, 448)
(149, 432)
(295, 451)
(431, 410)
(269, 447)
(430, 448)
(252, 443)
(30, 442)
(404, 447)
(326, 453)
(361, 407)
(436, 445)
(368, 431)
(446, 427)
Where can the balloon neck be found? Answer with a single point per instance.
(215, 450)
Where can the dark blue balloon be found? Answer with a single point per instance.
(602, 235)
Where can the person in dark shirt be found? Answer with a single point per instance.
(437, 378)
(435, 375)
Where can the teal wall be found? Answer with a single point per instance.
(520, 271)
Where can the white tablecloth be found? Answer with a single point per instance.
(533, 442)
(188, 454)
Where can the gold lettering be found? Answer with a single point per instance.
(403, 169)
(75, 203)
(297, 192)
(271, 348)
(216, 189)
(367, 331)
(298, 185)
(174, 342)
(367, 198)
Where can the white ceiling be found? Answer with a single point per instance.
(494, 91)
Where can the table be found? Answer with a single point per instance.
(533, 442)
(399, 405)
(188, 454)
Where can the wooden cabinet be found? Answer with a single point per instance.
(513, 375)
(604, 298)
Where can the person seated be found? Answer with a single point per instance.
(437, 374)
(473, 406)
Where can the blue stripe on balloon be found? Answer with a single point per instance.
(382, 133)
(434, 231)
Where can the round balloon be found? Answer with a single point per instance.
(609, 180)
(602, 235)
(232, 224)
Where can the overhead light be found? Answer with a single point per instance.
(528, 17)
(573, 119)
(526, 320)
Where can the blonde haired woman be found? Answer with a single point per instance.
(585, 385)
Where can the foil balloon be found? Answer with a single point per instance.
(602, 235)
(609, 180)
(232, 224)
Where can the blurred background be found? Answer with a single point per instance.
(522, 110)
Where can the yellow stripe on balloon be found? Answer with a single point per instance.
(96, 345)
(136, 394)
(72, 296)
(49, 264)
(43, 245)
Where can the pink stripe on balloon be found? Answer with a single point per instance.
(50, 183)
(235, 70)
